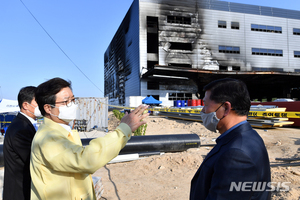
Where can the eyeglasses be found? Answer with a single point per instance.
(69, 101)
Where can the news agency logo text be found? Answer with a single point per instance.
(259, 186)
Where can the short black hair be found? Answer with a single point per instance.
(26, 94)
(233, 90)
(46, 92)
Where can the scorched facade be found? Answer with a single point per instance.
(170, 48)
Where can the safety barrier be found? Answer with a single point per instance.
(197, 110)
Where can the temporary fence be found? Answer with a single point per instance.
(259, 116)
(92, 113)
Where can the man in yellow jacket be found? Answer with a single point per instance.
(60, 166)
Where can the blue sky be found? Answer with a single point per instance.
(82, 29)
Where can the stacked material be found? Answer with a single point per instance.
(259, 116)
(268, 121)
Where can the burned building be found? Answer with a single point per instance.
(171, 48)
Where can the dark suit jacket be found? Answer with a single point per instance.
(240, 156)
(16, 151)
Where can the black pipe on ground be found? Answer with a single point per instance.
(149, 143)
(161, 143)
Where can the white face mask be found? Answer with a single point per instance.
(210, 120)
(37, 113)
(67, 113)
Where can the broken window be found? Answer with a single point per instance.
(152, 34)
(178, 19)
(150, 64)
(236, 68)
(221, 24)
(180, 65)
(153, 85)
(181, 46)
(229, 68)
(152, 43)
(222, 68)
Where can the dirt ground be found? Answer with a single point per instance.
(168, 176)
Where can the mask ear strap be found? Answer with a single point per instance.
(222, 118)
(225, 110)
(220, 106)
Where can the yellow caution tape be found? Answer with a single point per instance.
(267, 114)
(272, 114)
(194, 111)
(175, 110)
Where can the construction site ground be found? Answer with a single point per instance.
(168, 176)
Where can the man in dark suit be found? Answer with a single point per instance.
(17, 146)
(238, 166)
